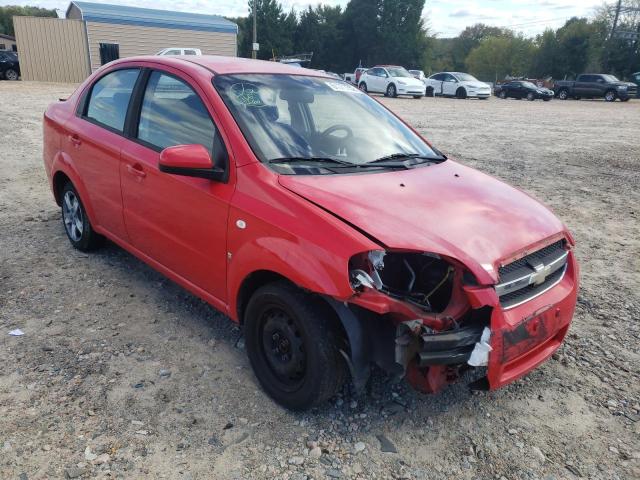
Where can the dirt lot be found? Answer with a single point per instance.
(121, 373)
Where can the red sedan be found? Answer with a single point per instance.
(315, 218)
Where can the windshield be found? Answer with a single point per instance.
(465, 77)
(610, 78)
(529, 85)
(398, 72)
(306, 118)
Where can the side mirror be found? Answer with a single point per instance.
(190, 161)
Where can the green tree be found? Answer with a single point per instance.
(547, 60)
(276, 30)
(498, 57)
(469, 39)
(8, 12)
(318, 32)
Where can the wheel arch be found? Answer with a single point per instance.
(62, 172)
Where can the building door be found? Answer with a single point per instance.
(109, 52)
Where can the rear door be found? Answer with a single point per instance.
(584, 86)
(435, 82)
(94, 139)
(178, 221)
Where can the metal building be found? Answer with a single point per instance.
(93, 34)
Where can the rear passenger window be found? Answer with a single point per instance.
(173, 114)
(110, 98)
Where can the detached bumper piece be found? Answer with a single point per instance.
(430, 348)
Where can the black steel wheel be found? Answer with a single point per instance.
(293, 344)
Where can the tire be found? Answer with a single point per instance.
(531, 97)
(363, 87)
(430, 92)
(293, 346)
(578, 98)
(625, 99)
(461, 93)
(391, 91)
(610, 96)
(546, 99)
(502, 94)
(417, 97)
(563, 94)
(11, 74)
(76, 222)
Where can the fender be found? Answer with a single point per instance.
(301, 263)
(62, 163)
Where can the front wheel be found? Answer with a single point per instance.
(417, 97)
(430, 92)
(461, 93)
(11, 74)
(391, 91)
(293, 346)
(76, 222)
(547, 99)
(563, 94)
(531, 97)
(625, 99)
(610, 96)
(363, 87)
(502, 95)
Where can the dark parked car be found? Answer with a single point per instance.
(521, 89)
(9, 65)
(635, 78)
(589, 85)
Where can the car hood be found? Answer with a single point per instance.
(409, 81)
(446, 208)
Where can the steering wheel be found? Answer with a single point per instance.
(337, 128)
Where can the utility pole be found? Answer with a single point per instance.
(255, 47)
(609, 44)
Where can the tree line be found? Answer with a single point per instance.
(369, 32)
(9, 11)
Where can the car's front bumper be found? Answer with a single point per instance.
(479, 93)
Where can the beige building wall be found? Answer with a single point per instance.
(137, 40)
(52, 49)
(6, 44)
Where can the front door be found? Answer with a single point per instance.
(93, 141)
(449, 85)
(178, 221)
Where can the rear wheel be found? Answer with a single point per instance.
(293, 346)
(610, 96)
(625, 99)
(391, 91)
(502, 95)
(11, 74)
(76, 222)
(363, 87)
(417, 97)
(531, 97)
(430, 92)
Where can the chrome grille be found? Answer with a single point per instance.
(532, 275)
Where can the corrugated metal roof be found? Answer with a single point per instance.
(149, 17)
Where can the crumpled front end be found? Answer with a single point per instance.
(425, 318)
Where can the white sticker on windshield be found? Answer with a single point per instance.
(342, 87)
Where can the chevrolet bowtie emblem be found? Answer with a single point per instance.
(540, 274)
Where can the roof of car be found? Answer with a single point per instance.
(221, 65)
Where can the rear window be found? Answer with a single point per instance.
(110, 97)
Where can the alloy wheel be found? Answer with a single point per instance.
(11, 75)
(391, 90)
(72, 216)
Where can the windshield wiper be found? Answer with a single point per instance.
(387, 160)
(311, 159)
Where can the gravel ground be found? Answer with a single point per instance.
(123, 374)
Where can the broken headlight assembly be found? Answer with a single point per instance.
(423, 279)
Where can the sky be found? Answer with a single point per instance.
(445, 18)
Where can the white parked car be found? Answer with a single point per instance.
(180, 51)
(392, 81)
(456, 84)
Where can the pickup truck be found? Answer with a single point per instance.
(590, 85)
(355, 76)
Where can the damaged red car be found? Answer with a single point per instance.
(328, 228)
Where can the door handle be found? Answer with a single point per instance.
(136, 170)
(75, 140)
